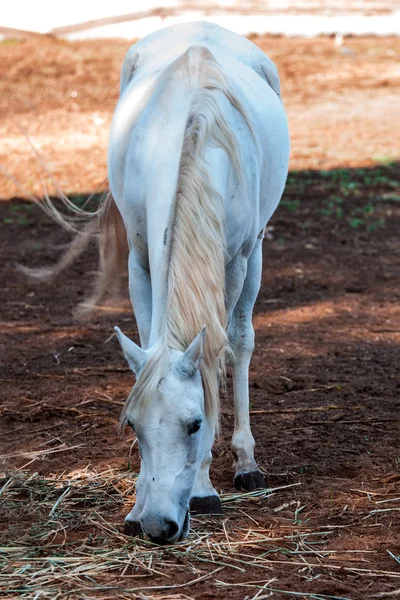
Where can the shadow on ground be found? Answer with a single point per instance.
(324, 389)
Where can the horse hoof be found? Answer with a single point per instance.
(249, 481)
(207, 505)
(132, 528)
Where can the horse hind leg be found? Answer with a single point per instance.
(205, 499)
(241, 334)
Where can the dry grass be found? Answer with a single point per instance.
(65, 541)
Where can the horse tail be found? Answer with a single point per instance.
(113, 258)
(105, 225)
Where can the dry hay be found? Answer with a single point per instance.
(61, 545)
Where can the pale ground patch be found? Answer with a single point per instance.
(74, 146)
(342, 106)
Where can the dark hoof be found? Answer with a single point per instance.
(208, 505)
(249, 481)
(132, 528)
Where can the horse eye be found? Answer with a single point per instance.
(194, 426)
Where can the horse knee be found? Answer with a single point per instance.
(242, 444)
(242, 337)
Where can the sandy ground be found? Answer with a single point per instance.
(341, 104)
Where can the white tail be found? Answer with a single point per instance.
(106, 226)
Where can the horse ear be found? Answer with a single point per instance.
(135, 356)
(193, 356)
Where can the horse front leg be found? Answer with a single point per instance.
(132, 524)
(205, 499)
(241, 334)
(140, 295)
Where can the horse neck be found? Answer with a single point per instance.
(196, 273)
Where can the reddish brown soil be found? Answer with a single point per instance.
(342, 105)
(324, 378)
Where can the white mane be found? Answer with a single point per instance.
(196, 272)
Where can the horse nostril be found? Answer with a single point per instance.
(172, 530)
(167, 535)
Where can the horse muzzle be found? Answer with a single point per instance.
(164, 530)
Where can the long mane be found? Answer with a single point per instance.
(196, 271)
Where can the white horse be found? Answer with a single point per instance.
(198, 159)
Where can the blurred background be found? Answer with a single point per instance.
(60, 68)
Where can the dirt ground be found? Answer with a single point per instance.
(342, 105)
(324, 378)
